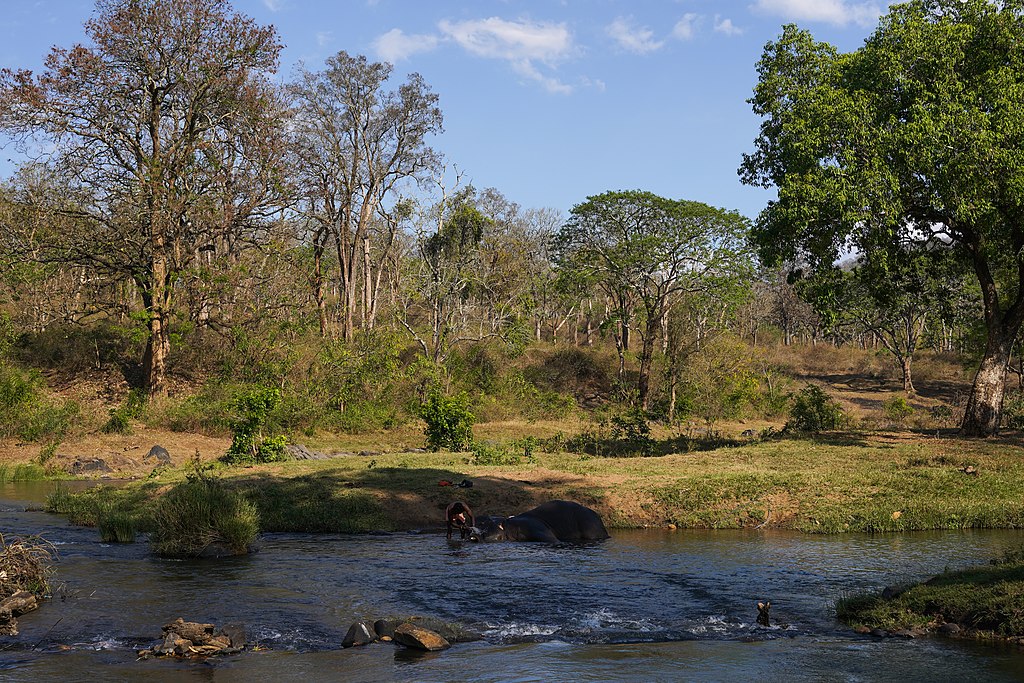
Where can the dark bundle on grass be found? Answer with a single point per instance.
(25, 565)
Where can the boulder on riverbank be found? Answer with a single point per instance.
(192, 639)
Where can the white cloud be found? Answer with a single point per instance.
(500, 39)
(274, 5)
(521, 43)
(395, 45)
(838, 12)
(727, 27)
(638, 39)
(685, 27)
(323, 38)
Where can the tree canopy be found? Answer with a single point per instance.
(915, 138)
(645, 251)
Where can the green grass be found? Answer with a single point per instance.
(200, 512)
(834, 484)
(984, 599)
(22, 472)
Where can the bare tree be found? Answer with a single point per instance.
(161, 131)
(354, 144)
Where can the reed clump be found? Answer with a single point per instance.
(201, 512)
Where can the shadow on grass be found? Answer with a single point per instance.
(385, 499)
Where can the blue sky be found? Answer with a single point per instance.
(547, 101)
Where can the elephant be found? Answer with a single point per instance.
(557, 521)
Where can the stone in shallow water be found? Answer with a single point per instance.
(420, 638)
(358, 634)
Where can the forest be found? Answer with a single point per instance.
(190, 242)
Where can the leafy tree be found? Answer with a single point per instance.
(893, 298)
(162, 131)
(645, 252)
(912, 139)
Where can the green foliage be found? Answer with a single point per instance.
(815, 411)
(115, 524)
(449, 421)
(897, 409)
(248, 444)
(199, 512)
(506, 455)
(1013, 410)
(27, 412)
(633, 432)
(119, 420)
(21, 472)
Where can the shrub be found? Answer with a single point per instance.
(449, 421)
(633, 432)
(897, 409)
(815, 411)
(26, 412)
(199, 512)
(248, 444)
(119, 420)
(1013, 410)
(502, 455)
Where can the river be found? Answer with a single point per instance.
(643, 606)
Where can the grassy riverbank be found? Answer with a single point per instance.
(982, 602)
(872, 482)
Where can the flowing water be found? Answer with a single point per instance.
(642, 606)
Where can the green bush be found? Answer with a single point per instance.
(633, 432)
(25, 410)
(449, 421)
(200, 512)
(119, 421)
(1013, 410)
(897, 409)
(815, 411)
(498, 455)
(248, 444)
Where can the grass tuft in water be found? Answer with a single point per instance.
(199, 512)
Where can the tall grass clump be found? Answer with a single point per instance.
(21, 472)
(199, 513)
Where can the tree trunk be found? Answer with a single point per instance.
(646, 359)
(908, 382)
(985, 405)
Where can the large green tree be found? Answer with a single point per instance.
(915, 138)
(645, 252)
(159, 135)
